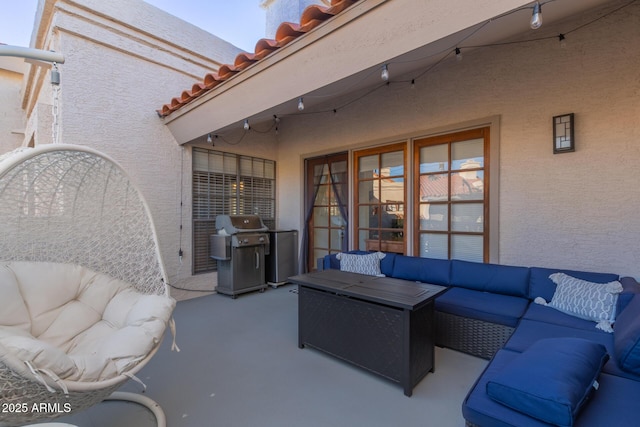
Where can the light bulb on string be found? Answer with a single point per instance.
(246, 125)
(458, 54)
(413, 84)
(536, 17)
(563, 41)
(385, 73)
(55, 75)
(300, 104)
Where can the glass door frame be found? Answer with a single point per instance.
(378, 233)
(449, 139)
(333, 209)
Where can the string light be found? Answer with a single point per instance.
(385, 73)
(209, 139)
(536, 17)
(563, 41)
(536, 22)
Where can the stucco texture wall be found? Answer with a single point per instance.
(11, 118)
(574, 210)
(123, 60)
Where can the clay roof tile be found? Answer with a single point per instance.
(311, 17)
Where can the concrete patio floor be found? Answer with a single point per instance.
(240, 365)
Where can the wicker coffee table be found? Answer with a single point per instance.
(381, 324)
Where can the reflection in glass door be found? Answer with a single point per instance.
(380, 198)
(327, 198)
(452, 207)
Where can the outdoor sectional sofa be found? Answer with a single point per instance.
(546, 367)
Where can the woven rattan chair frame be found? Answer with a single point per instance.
(71, 204)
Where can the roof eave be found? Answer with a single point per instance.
(271, 82)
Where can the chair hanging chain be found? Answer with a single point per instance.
(55, 86)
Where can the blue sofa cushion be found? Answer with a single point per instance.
(615, 402)
(387, 263)
(552, 380)
(495, 278)
(540, 285)
(426, 270)
(493, 308)
(629, 288)
(547, 314)
(530, 331)
(481, 410)
(626, 335)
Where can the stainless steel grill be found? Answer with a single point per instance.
(240, 248)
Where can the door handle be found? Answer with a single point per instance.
(257, 260)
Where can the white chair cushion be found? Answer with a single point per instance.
(39, 353)
(14, 311)
(46, 288)
(92, 327)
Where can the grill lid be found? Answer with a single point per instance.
(232, 224)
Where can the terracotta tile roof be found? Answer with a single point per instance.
(311, 17)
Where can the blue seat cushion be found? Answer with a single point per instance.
(545, 313)
(488, 307)
(552, 380)
(495, 278)
(615, 403)
(630, 288)
(387, 263)
(626, 335)
(426, 270)
(481, 410)
(530, 331)
(541, 286)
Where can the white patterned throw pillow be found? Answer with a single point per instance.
(586, 300)
(368, 264)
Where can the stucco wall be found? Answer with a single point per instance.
(11, 118)
(576, 210)
(123, 60)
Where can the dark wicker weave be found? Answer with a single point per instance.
(475, 337)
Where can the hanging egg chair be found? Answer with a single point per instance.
(84, 301)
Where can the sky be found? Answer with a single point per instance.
(240, 22)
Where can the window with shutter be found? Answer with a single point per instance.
(231, 184)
